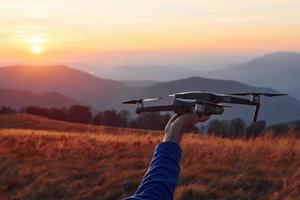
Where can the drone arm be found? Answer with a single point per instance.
(236, 100)
(174, 108)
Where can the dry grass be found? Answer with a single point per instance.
(43, 164)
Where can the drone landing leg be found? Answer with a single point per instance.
(257, 107)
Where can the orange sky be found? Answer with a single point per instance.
(35, 29)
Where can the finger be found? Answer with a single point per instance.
(174, 117)
(184, 120)
(188, 120)
(171, 120)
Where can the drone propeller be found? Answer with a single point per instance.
(273, 95)
(136, 101)
(256, 100)
(258, 94)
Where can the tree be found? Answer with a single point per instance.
(98, 119)
(7, 110)
(153, 121)
(79, 114)
(35, 110)
(124, 118)
(58, 114)
(227, 128)
(255, 129)
(238, 127)
(278, 129)
(112, 118)
(218, 127)
(296, 126)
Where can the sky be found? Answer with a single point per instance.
(108, 33)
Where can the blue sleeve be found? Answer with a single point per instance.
(161, 178)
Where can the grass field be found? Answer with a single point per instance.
(57, 160)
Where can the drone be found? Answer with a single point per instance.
(202, 103)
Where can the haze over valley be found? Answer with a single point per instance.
(278, 70)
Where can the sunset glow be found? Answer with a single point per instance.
(77, 27)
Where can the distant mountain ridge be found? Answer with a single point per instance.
(138, 83)
(106, 94)
(278, 70)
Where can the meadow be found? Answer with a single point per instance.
(48, 159)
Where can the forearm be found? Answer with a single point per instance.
(161, 178)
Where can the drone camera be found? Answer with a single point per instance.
(199, 109)
(218, 110)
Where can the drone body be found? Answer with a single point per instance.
(202, 103)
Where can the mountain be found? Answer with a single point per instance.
(280, 109)
(81, 86)
(106, 94)
(278, 70)
(18, 99)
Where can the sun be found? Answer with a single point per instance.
(36, 49)
(36, 44)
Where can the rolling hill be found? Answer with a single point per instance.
(19, 99)
(278, 70)
(33, 122)
(81, 86)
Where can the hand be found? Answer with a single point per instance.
(178, 124)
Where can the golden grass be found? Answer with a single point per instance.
(109, 164)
